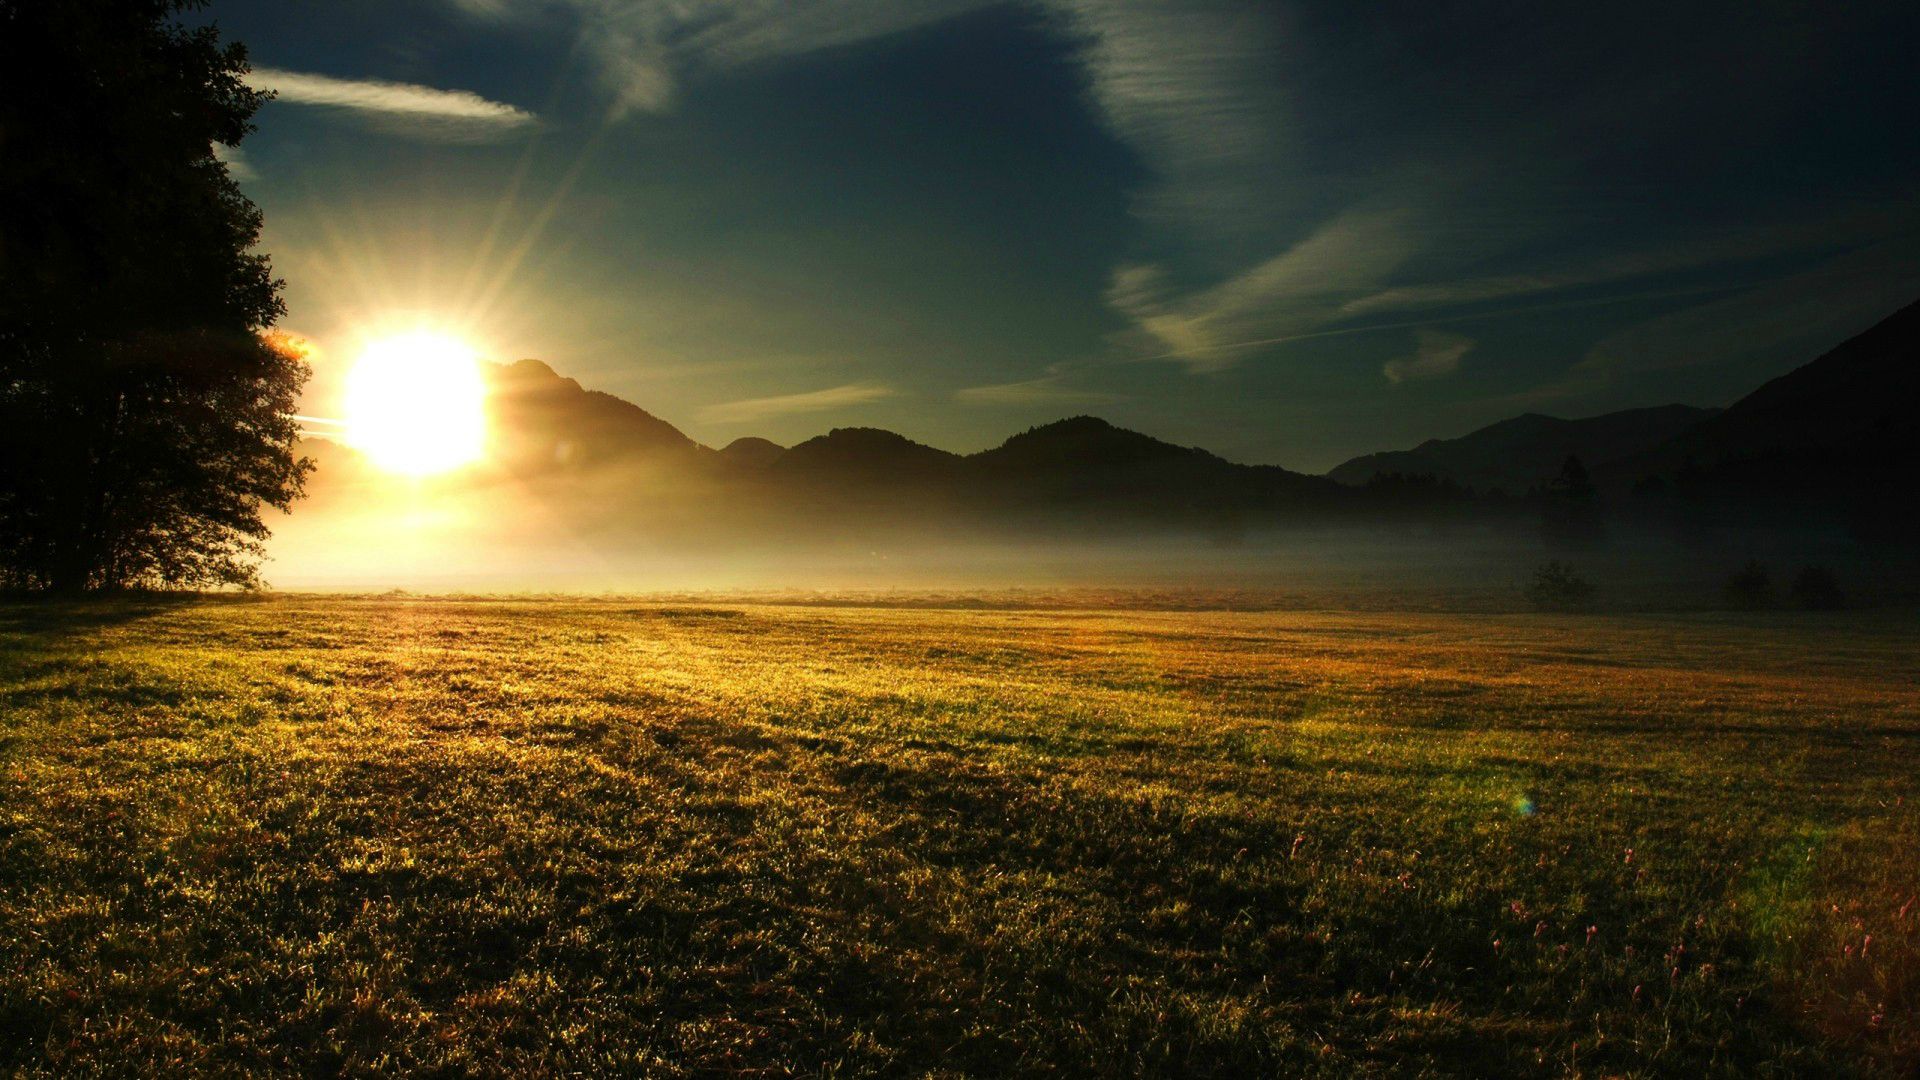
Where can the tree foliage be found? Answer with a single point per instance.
(145, 412)
(1750, 588)
(1556, 587)
(1570, 507)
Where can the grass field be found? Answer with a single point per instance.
(316, 834)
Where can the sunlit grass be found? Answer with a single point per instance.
(318, 834)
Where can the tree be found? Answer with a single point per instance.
(1750, 588)
(1555, 587)
(1569, 507)
(145, 413)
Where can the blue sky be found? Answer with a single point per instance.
(1288, 232)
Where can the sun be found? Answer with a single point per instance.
(416, 404)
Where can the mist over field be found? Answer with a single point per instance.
(579, 491)
(1354, 566)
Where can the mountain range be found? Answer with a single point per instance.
(1516, 454)
(1850, 413)
(1834, 438)
(1835, 434)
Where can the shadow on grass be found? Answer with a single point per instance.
(25, 613)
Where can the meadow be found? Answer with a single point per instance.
(327, 834)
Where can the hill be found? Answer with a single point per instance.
(1852, 406)
(543, 420)
(751, 452)
(864, 456)
(1086, 467)
(1087, 444)
(1832, 438)
(1516, 454)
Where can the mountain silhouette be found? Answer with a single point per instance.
(1083, 444)
(1831, 440)
(751, 452)
(856, 456)
(852, 483)
(543, 420)
(1853, 405)
(1834, 437)
(1518, 453)
(1084, 466)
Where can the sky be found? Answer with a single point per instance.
(1289, 232)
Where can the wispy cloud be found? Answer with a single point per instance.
(1438, 353)
(1292, 293)
(1853, 225)
(1776, 323)
(1045, 390)
(1336, 281)
(1793, 315)
(837, 397)
(405, 108)
(1190, 85)
(639, 48)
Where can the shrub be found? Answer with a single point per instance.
(1555, 587)
(1816, 589)
(1750, 589)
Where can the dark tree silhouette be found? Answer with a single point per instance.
(1569, 507)
(1750, 588)
(1555, 587)
(144, 413)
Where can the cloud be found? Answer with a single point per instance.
(1189, 83)
(1290, 294)
(1796, 316)
(1454, 293)
(1191, 87)
(1850, 226)
(404, 108)
(640, 47)
(735, 412)
(1293, 294)
(1046, 389)
(487, 9)
(1775, 324)
(236, 162)
(1437, 354)
(1336, 277)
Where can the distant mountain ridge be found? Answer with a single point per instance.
(1857, 403)
(1086, 442)
(1516, 454)
(1833, 439)
(543, 419)
(752, 452)
(864, 454)
(1085, 465)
